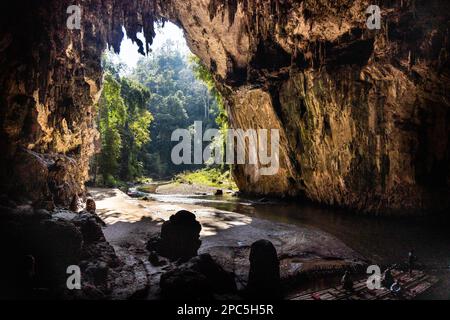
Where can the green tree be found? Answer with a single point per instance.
(112, 117)
(178, 99)
(136, 130)
(167, 90)
(124, 126)
(203, 74)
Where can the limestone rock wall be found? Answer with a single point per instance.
(50, 81)
(363, 114)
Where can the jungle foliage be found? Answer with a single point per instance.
(138, 112)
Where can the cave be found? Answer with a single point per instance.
(363, 115)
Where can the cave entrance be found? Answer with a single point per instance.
(144, 100)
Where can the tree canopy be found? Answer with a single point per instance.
(137, 113)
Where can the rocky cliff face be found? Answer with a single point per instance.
(363, 114)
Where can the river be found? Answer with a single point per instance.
(382, 240)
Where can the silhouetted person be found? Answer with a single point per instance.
(264, 275)
(411, 261)
(388, 279)
(347, 281)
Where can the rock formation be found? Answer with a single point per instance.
(199, 278)
(363, 114)
(38, 247)
(264, 276)
(179, 237)
(90, 206)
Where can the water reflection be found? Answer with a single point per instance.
(381, 240)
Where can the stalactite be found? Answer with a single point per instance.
(328, 55)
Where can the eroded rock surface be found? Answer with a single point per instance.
(226, 236)
(363, 114)
(179, 237)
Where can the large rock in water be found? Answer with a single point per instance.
(199, 278)
(264, 275)
(179, 237)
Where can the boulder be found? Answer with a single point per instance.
(89, 227)
(57, 244)
(199, 278)
(155, 260)
(98, 272)
(74, 203)
(264, 275)
(36, 252)
(179, 237)
(37, 247)
(90, 205)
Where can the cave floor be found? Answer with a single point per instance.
(226, 235)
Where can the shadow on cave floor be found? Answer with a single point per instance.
(306, 236)
(225, 235)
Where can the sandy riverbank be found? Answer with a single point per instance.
(226, 235)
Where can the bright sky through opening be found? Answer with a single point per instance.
(128, 50)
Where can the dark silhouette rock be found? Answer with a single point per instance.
(37, 247)
(218, 192)
(412, 259)
(153, 243)
(179, 237)
(264, 275)
(153, 258)
(74, 203)
(90, 227)
(98, 272)
(42, 256)
(199, 278)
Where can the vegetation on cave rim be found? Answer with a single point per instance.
(212, 177)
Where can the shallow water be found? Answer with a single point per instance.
(381, 240)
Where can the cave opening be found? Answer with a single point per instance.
(145, 99)
(364, 129)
